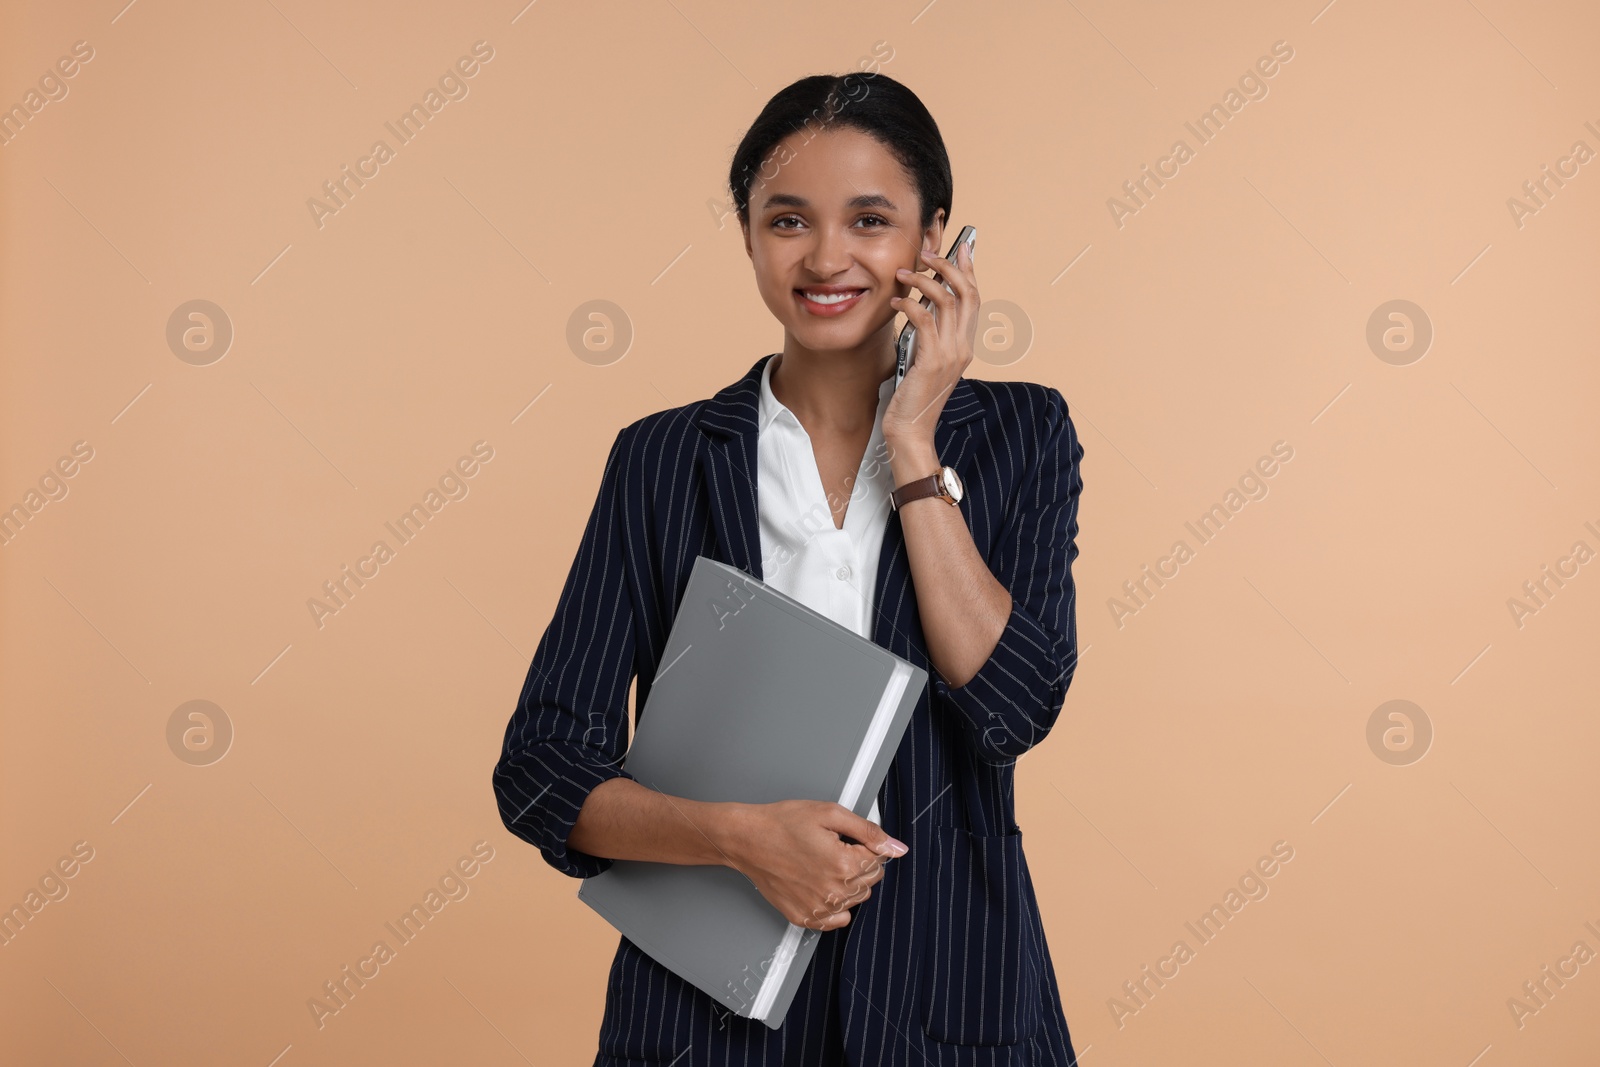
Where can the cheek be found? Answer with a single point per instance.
(773, 269)
(883, 269)
(773, 284)
(776, 288)
(767, 279)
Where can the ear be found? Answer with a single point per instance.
(745, 227)
(933, 236)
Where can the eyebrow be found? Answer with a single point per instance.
(865, 200)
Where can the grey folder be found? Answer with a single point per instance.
(759, 699)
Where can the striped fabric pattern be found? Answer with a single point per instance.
(947, 962)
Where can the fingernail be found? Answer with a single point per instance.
(897, 847)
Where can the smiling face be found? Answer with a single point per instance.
(827, 233)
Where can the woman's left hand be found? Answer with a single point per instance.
(944, 346)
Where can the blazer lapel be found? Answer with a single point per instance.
(728, 464)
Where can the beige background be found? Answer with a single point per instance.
(587, 163)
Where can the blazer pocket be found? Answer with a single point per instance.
(982, 971)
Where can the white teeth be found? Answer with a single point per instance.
(831, 298)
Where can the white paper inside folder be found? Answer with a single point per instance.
(871, 746)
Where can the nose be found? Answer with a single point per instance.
(828, 255)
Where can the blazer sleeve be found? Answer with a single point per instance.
(1014, 699)
(569, 731)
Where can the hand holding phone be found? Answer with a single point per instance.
(906, 346)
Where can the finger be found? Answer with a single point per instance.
(823, 917)
(872, 836)
(968, 256)
(942, 298)
(957, 272)
(868, 869)
(866, 878)
(841, 904)
(965, 278)
(919, 316)
(871, 856)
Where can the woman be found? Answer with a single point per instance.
(843, 191)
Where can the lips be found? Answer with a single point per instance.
(834, 306)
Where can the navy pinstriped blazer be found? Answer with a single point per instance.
(946, 962)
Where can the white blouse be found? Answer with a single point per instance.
(831, 570)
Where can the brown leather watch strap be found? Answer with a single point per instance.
(916, 490)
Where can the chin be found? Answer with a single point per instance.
(823, 336)
(828, 340)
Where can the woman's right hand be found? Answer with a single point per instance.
(792, 852)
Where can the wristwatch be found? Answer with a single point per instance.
(946, 485)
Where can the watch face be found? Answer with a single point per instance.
(952, 484)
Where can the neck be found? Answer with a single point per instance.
(833, 389)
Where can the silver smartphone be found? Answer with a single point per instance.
(906, 346)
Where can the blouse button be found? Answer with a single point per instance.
(843, 573)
